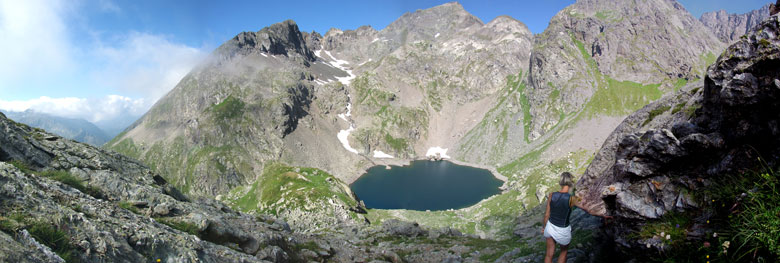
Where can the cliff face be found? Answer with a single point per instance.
(730, 27)
(665, 157)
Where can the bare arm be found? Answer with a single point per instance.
(546, 213)
(575, 201)
(591, 213)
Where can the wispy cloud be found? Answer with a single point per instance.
(146, 65)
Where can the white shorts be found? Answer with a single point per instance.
(561, 235)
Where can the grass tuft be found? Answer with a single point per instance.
(654, 113)
(63, 177)
(186, 227)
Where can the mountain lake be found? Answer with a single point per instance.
(425, 185)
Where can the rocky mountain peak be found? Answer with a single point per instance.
(278, 39)
(444, 20)
(729, 27)
(507, 23)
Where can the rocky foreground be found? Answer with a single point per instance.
(64, 201)
(667, 162)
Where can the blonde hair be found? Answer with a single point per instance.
(567, 179)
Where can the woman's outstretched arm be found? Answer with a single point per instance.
(591, 213)
(546, 213)
(575, 201)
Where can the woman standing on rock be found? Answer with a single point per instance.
(556, 228)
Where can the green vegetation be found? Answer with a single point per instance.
(397, 144)
(501, 118)
(681, 82)
(753, 225)
(130, 207)
(516, 83)
(63, 177)
(367, 95)
(229, 108)
(613, 97)
(674, 225)
(764, 43)
(533, 173)
(57, 240)
(433, 94)
(126, 147)
(283, 188)
(741, 209)
(654, 113)
(678, 107)
(691, 110)
(44, 232)
(708, 59)
(185, 227)
(619, 98)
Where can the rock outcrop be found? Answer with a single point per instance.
(278, 39)
(730, 27)
(659, 156)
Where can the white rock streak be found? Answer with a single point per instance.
(380, 154)
(437, 152)
(436, 36)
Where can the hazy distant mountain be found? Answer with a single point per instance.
(75, 129)
(730, 27)
(115, 126)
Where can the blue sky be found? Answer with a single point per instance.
(98, 59)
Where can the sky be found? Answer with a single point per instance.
(104, 59)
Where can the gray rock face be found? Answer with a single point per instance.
(644, 171)
(730, 27)
(591, 42)
(98, 229)
(278, 39)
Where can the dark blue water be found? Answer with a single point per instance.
(425, 185)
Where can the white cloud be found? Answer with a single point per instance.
(34, 40)
(146, 65)
(94, 110)
(42, 53)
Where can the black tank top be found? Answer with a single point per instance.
(560, 209)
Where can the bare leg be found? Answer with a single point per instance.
(550, 250)
(562, 256)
